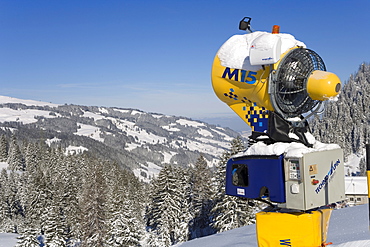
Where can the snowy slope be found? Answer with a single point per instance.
(349, 227)
(6, 99)
(8, 239)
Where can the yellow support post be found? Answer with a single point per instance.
(295, 229)
(368, 176)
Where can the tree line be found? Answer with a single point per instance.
(78, 200)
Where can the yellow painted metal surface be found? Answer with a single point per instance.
(323, 85)
(276, 229)
(368, 183)
(241, 89)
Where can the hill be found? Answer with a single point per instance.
(140, 141)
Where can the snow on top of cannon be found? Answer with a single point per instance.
(234, 53)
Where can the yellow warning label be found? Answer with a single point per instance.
(313, 169)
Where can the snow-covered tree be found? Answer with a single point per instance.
(201, 194)
(93, 207)
(13, 209)
(3, 149)
(28, 238)
(124, 227)
(53, 229)
(15, 157)
(346, 120)
(229, 211)
(168, 214)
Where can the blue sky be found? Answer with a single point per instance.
(156, 56)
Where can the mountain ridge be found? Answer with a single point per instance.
(138, 140)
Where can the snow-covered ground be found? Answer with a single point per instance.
(348, 227)
(147, 172)
(8, 239)
(7, 99)
(89, 131)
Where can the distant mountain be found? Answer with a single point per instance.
(141, 141)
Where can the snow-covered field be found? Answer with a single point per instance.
(7, 99)
(150, 169)
(8, 239)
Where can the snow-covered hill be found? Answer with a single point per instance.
(142, 141)
(349, 227)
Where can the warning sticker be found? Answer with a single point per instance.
(313, 169)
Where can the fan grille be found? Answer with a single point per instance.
(289, 91)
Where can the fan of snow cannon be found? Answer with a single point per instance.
(273, 82)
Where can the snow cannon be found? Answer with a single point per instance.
(274, 83)
(272, 79)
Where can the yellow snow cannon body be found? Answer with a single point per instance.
(262, 72)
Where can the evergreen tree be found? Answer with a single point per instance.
(3, 149)
(15, 157)
(184, 216)
(13, 208)
(230, 212)
(93, 207)
(201, 194)
(168, 215)
(28, 238)
(124, 225)
(53, 230)
(125, 229)
(36, 190)
(3, 201)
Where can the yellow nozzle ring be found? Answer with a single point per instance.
(323, 85)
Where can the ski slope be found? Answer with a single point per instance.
(349, 227)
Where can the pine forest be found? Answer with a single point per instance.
(69, 200)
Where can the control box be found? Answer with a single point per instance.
(313, 180)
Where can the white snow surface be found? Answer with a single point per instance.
(353, 162)
(71, 150)
(186, 122)
(89, 131)
(93, 115)
(150, 169)
(234, 53)
(6, 99)
(25, 116)
(8, 239)
(292, 149)
(53, 140)
(356, 185)
(204, 132)
(348, 227)
(3, 165)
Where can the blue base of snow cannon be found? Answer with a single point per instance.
(256, 177)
